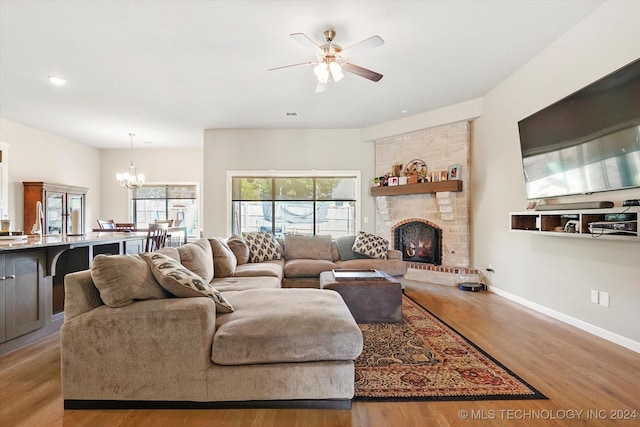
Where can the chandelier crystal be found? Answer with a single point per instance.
(131, 179)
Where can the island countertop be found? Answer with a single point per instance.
(46, 241)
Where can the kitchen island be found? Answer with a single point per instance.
(32, 271)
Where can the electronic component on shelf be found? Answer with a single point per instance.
(610, 227)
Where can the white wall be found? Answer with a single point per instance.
(280, 149)
(553, 272)
(159, 166)
(35, 155)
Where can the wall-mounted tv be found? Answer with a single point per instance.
(587, 142)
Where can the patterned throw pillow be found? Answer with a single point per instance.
(177, 279)
(262, 247)
(370, 245)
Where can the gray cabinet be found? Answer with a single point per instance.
(22, 293)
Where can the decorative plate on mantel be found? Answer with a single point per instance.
(416, 166)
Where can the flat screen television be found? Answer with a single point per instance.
(587, 142)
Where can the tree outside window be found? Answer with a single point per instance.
(306, 205)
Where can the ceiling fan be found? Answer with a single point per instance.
(331, 59)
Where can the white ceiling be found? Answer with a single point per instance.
(167, 70)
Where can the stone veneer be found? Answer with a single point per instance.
(439, 148)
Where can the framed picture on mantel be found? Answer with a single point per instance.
(454, 172)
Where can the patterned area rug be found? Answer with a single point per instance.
(423, 358)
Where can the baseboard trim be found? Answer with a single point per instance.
(174, 404)
(580, 324)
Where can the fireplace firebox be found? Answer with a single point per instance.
(419, 242)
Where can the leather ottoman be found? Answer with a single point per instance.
(377, 300)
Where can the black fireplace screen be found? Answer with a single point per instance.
(419, 242)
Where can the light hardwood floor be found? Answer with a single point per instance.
(577, 371)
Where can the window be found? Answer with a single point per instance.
(162, 202)
(294, 204)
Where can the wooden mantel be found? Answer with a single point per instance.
(420, 188)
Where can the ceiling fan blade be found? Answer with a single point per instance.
(292, 65)
(303, 39)
(362, 72)
(370, 43)
(321, 87)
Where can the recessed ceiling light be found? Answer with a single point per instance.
(57, 80)
(404, 111)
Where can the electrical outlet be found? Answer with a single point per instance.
(604, 298)
(594, 297)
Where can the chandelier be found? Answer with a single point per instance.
(131, 179)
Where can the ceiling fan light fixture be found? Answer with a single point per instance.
(322, 72)
(336, 71)
(331, 60)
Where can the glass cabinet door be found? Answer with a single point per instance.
(54, 215)
(75, 213)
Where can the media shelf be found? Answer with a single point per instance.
(575, 223)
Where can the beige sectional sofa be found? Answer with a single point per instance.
(127, 341)
(306, 257)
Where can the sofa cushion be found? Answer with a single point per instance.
(262, 246)
(197, 256)
(224, 261)
(267, 268)
(229, 284)
(345, 248)
(121, 279)
(307, 247)
(239, 248)
(371, 245)
(181, 282)
(335, 254)
(307, 267)
(285, 325)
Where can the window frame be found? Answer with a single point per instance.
(130, 209)
(271, 173)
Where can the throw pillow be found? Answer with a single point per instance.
(239, 248)
(345, 248)
(370, 245)
(181, 282)
(197, 256)
(224, 261)
(170, 252)
(307, 247)
(262, 246)
(121, 279)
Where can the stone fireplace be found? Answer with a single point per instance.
(444, 214)
(419, 241)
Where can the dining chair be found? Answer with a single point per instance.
(156, 237)
(107, 224)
